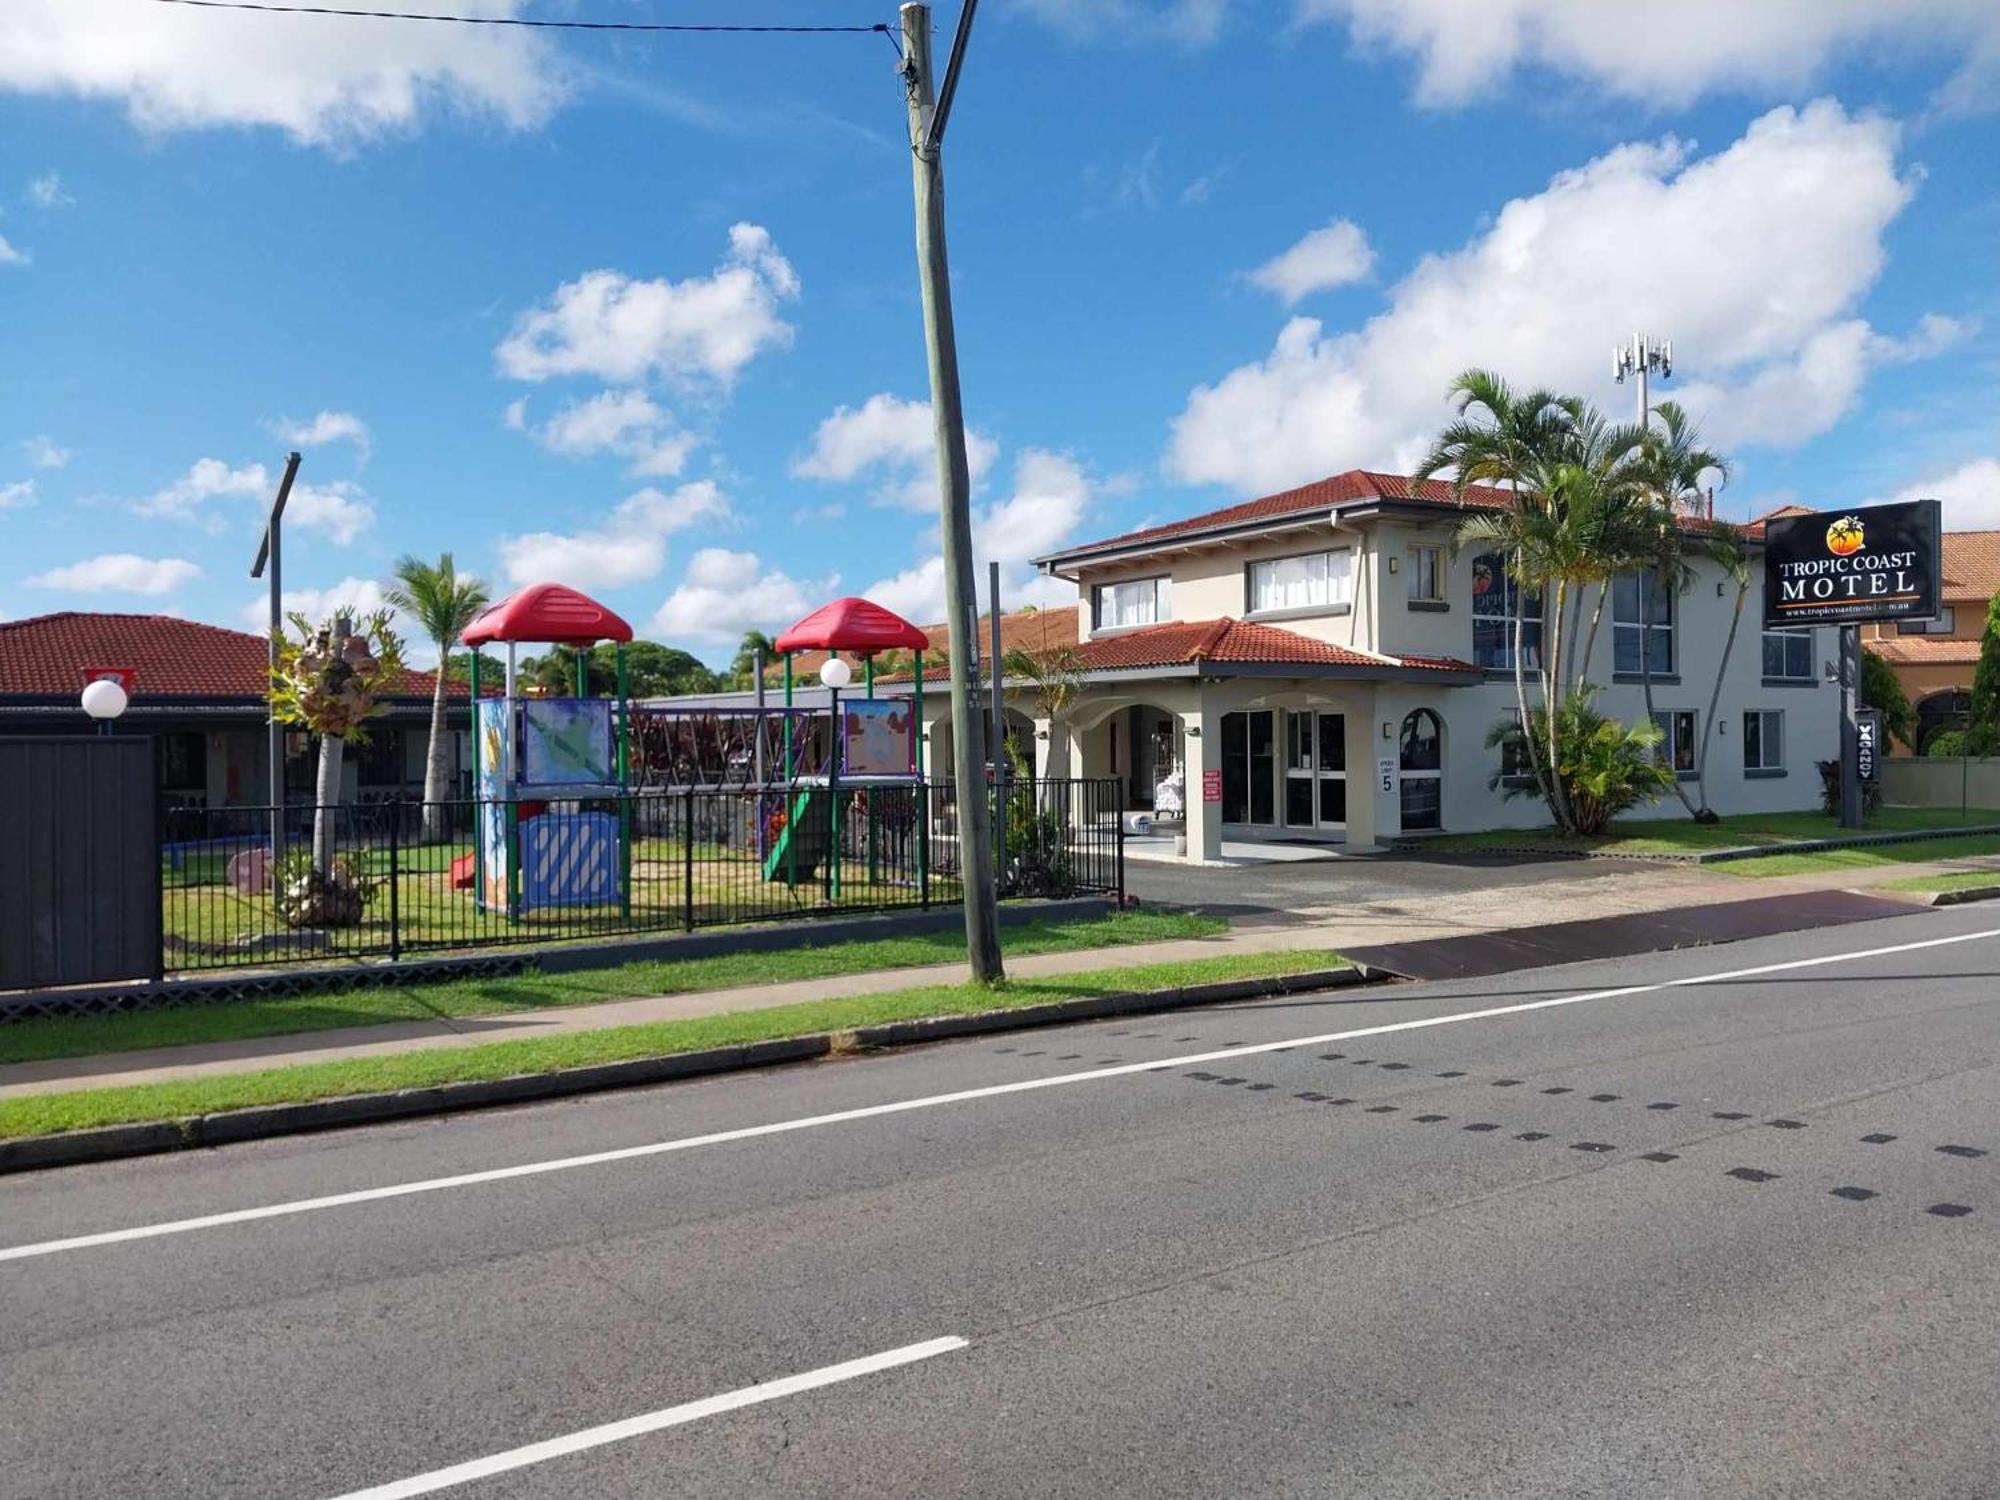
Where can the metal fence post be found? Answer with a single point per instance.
(395, 881)
(687, 862)
(1118, 825)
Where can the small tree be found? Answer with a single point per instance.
(1055, 678)
(1882, 690)
(329, 681)
(1606, 767)
(1982, 734)
(443, 604)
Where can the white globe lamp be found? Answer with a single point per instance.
(104, 700)
(836, 674)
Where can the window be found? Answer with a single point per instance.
(1318, 580)
(184, 761)
(1420, 787)
(1427, 575)
(1764, 740)
(1677, 742)
(1642, 621)
(1945, 623)
(1137, 601)
(1495, 595)
(1249, 768)
(1788, 655)
(1516, 756)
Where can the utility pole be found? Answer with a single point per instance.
(1638, 358)
(975, 840)
(267, 551)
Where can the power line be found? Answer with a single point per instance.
(546, 25)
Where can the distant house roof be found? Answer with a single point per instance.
(1971, 565)
(1032, 630)
(1355, 486)
(45, 657)
(1925, 651)
(1229, 642)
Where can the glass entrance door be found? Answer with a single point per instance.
(1249, 768)
(1316, 770)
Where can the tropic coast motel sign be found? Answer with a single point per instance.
(1881, 562)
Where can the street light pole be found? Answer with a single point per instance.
(267, 550)
(927, 124)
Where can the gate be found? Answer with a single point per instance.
(79, 861)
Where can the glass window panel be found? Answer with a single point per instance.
(1332, 799)
(1422, 803)
(1235, 768)
(1625, 648)
(1332, 742)
(1299, 801)
(1319, 580)
(1298, 742)
(1263, 769)
(1774, 656)
(1422, 743)
(1140, 601)
(1753, 741)
(1625, 599)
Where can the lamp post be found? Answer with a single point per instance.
(104, 700)
(836, 674)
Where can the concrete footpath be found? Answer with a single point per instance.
(1644, 889)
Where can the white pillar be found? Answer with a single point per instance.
(1201, 740)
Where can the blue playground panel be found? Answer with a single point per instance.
(569, 859)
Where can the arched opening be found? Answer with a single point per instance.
(1940, 712)
(1421, 779)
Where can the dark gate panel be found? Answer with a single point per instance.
(79, 861)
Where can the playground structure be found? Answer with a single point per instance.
(568, 749)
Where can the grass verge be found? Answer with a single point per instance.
(42, 1114)
(1684, 836)
(1961, 880)
(1868, 857)
(81, 1036)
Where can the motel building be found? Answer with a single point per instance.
(1321, 667)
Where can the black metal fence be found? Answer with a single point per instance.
(391, 879)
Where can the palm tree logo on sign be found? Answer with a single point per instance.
(1845, 537)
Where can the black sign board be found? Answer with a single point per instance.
(1880, 562)
(1868, 744)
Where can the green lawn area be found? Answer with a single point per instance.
(1873, 857)
(79, 1036)
(41, 1114)
(1685, 836)
(1961, 880)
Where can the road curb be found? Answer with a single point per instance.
(262, 1122)
(1961, 897)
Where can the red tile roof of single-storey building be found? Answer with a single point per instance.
(1925, 651)
(1239, 642)
(1036, 631)
(171, 658)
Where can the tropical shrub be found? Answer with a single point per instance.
(1948, 743)
(1829, 790)
(1604, 767)
(335, 896)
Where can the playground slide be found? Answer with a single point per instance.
(809, 821)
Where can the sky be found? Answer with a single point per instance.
(639, 313)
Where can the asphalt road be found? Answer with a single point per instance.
(1734, 1236)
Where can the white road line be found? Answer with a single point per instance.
(933, 1101)
(653, 1421)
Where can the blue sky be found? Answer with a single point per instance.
(639, 314)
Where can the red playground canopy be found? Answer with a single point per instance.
(547, 614)
(852, 625)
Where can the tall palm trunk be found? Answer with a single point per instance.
(1590, 638)
(326, 798)
(1703, 814)
(1535, 762)
(436, 763)
(1551, 672)
(1646, 671)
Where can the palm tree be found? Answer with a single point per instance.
(1055, 678)
(442, 604)
(1670, 467)
(329, 681)
(743, 666)
(1724, 546)
(1501, 437)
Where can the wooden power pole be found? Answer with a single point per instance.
(975, 832)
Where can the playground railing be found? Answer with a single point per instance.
(400, 878)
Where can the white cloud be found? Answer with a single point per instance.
(1665, 56)
(1051, 495)
(1331, 256)
(1193, 23)
(892, 443)
(356, 596)
(327, 427)
(43, 453)
(339, 510)
(20, 493)
(1970, 494)
(47, 191)
(320, 79)
(628, 423)
(1752, 259)
(120, 573)
(629, 546)
(703, 329)
(723, 594)
(9, 256)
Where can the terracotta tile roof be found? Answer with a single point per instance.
(1324, 495)
(173, 658)
(1925, 650)
(1971, 565)
(1033, 630)
(1193, 642)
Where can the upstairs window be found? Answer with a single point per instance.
(1496, 594)
(1137, 601)
(1788, 655)
(1318, 580)
(1427, 575)
(1945, 623)
(1642, 624)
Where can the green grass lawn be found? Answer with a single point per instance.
(41, 1114)
(80, 1036)
(1685, 836)
(1960, 880)
(1872, 857)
